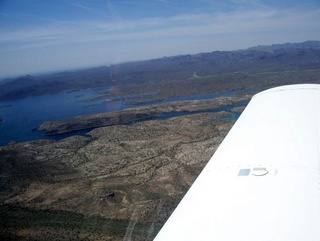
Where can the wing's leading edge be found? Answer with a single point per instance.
(263, 181)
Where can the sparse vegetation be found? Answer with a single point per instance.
(138, 172)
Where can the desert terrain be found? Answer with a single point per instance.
(121, 181)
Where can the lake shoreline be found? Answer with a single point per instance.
(132, 115)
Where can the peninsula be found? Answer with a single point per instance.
(140, 113)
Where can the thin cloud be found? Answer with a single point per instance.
(84, 7)
(182, 25)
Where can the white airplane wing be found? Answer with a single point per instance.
(263, 182)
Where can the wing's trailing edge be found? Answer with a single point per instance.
(263, 181)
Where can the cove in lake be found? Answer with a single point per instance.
(232, 117)
(19, 117)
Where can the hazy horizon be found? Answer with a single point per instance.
(50, 36)
(79, 68)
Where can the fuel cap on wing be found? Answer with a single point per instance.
(259, 171)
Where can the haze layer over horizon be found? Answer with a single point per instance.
(39, 36)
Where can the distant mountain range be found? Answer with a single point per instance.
(286, 46)
(279, 57)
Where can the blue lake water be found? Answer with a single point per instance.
(20, 116)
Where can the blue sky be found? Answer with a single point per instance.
(52, 35)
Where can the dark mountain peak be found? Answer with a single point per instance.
(22, 79)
